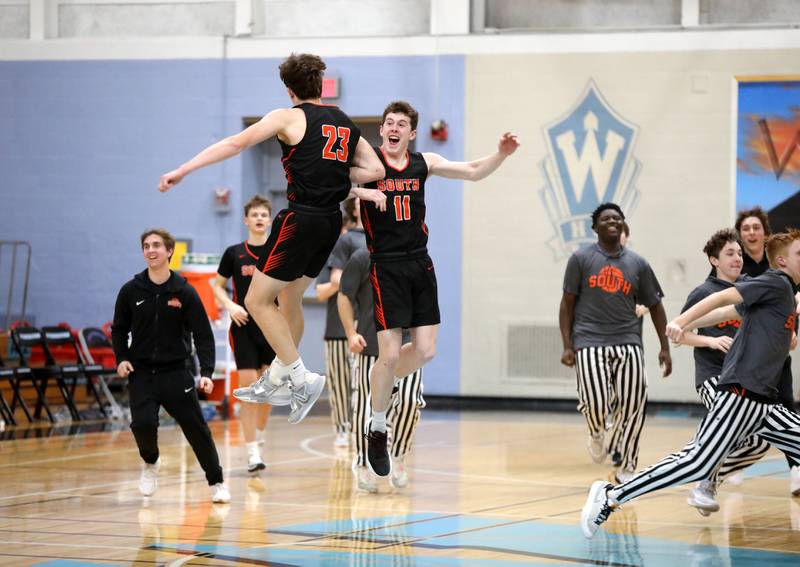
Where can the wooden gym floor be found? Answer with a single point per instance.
(487, 489)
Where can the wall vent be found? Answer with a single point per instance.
(534, 351)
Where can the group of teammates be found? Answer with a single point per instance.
(324, 159)
(746, 328)
(598, 301)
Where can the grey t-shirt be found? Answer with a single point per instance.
(348, 243)
(708, 361)
(756, 358)
(355, 285)
(608, 288)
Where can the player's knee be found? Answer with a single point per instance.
(426, 352)
(250, 301)
(390, 360)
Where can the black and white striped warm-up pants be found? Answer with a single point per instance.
(337, 362)
(731, 420)
(401, 418)
(612, 383)
(749, 451)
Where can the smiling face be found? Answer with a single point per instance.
(729, 262)
(396, 133)
(609, 226)
(753, 235)
(257, 220)
(155, 252)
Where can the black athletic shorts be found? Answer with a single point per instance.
(404, 291)
(300, 242)
(250, 349)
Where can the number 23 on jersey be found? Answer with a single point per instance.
(334, 135)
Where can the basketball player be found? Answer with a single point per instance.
(251, 351)
(356, 305)
(402, 274)
(162, 314)
(602, 336)
(337, 354)
(724, 253)
(753, 227)
(746, 402)
(323, 153)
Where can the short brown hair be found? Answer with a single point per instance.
(169, 240)
(778, 243)
(757, 212)
(402, 107)
(718, 241)
(302, 72)
(257, 201)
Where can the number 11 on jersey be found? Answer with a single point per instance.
(402, 208)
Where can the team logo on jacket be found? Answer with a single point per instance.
(590, 162)
(174, 302)
(611, 280)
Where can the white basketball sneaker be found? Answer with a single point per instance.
(220, 493)
(366, 481)
(399, 476)
(264, 391)
(305, 395)
(148, 482)
(703, 497)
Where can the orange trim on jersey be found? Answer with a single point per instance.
(230, 337)
(366, 222)
(386, 160)
(274, 260)
(373, 276)
(246, 247)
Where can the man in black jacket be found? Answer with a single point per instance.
(163, 313)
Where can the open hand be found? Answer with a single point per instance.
(509, 142)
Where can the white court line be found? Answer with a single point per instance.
(30, 543)
(305, 445)
(73, 458)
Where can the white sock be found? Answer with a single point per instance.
(260, 434)
(378, 422)
(252, 448)
(276, 372)
(297, 372)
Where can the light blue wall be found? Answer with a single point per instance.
(82, 145)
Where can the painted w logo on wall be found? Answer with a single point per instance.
(590, 161)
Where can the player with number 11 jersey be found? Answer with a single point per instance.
(401, 272)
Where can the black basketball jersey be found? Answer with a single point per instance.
(318, 167)
(239, 262)
(401, 228)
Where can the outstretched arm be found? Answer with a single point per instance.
(366, 164)
(472, 170)
(269, 126)
(693, 317)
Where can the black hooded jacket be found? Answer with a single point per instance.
(162, 320)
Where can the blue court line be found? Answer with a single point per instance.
(419, 537)
(533, 541)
